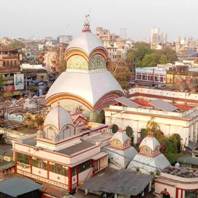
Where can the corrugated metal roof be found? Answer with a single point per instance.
(17, 186)
(164, 106)
(122, 182)
(126, 102)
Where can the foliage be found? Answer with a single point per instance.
(121, 71)
(170, 146)
(142, 55)
(143, 133)
(33, 121)
(15, 44)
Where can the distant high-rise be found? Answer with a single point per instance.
(158, 39)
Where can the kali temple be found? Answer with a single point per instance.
(70, 147)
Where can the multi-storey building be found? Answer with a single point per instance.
(116, 46)
(158, 39)
(9, 65)
(175, 112)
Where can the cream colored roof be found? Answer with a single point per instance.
(89, 85)
(151, 142)
(87, 42)
(121, 135)
(58, 117)
(149, 164)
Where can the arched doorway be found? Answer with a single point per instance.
(114, 128)
(130, 133)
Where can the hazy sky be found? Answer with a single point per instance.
(40, 18)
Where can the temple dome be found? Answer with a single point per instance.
(87, 42)
(86, 81)
(150, 142)
(85, 85)
(120, 140)
(58, 117)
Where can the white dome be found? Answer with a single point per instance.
(87, 42)
(150, 142)
(86, 85)
(57, 117)
(121, 136)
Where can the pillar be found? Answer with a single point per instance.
(70, 179)
(48, 169)
(30, 163)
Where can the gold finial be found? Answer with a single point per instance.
(151, 126)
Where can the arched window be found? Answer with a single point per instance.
(114, 128)
(129, 131)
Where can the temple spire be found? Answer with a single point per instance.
(86, 25)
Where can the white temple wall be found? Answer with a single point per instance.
(159, 187)
(40, 172)
(169, 126)
(71, 105)
(39, 153)
(58, 178)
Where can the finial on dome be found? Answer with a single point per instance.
(86, 25)
(152, 126)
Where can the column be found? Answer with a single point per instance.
(48, 169)
(30, 163)
(70, 179)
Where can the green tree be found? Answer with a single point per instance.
(137, 53)
(15, 44)
(141, 55)
(163, 59)
(150, 60)
(170, 54)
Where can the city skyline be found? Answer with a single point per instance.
(53, 18)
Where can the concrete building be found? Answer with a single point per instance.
(150, 75)
(157, 39)
(59, 156)
(175, 112)
(178, 182)
(116, 45)
(9, 66)
(64, 39)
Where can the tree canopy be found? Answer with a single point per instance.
(121, 71)
(141, 55)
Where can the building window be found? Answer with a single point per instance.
(39, 163)
(59, 169)
(22, 158)
(86, 165)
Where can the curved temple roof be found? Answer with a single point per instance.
(87, 42)
(90, 86)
